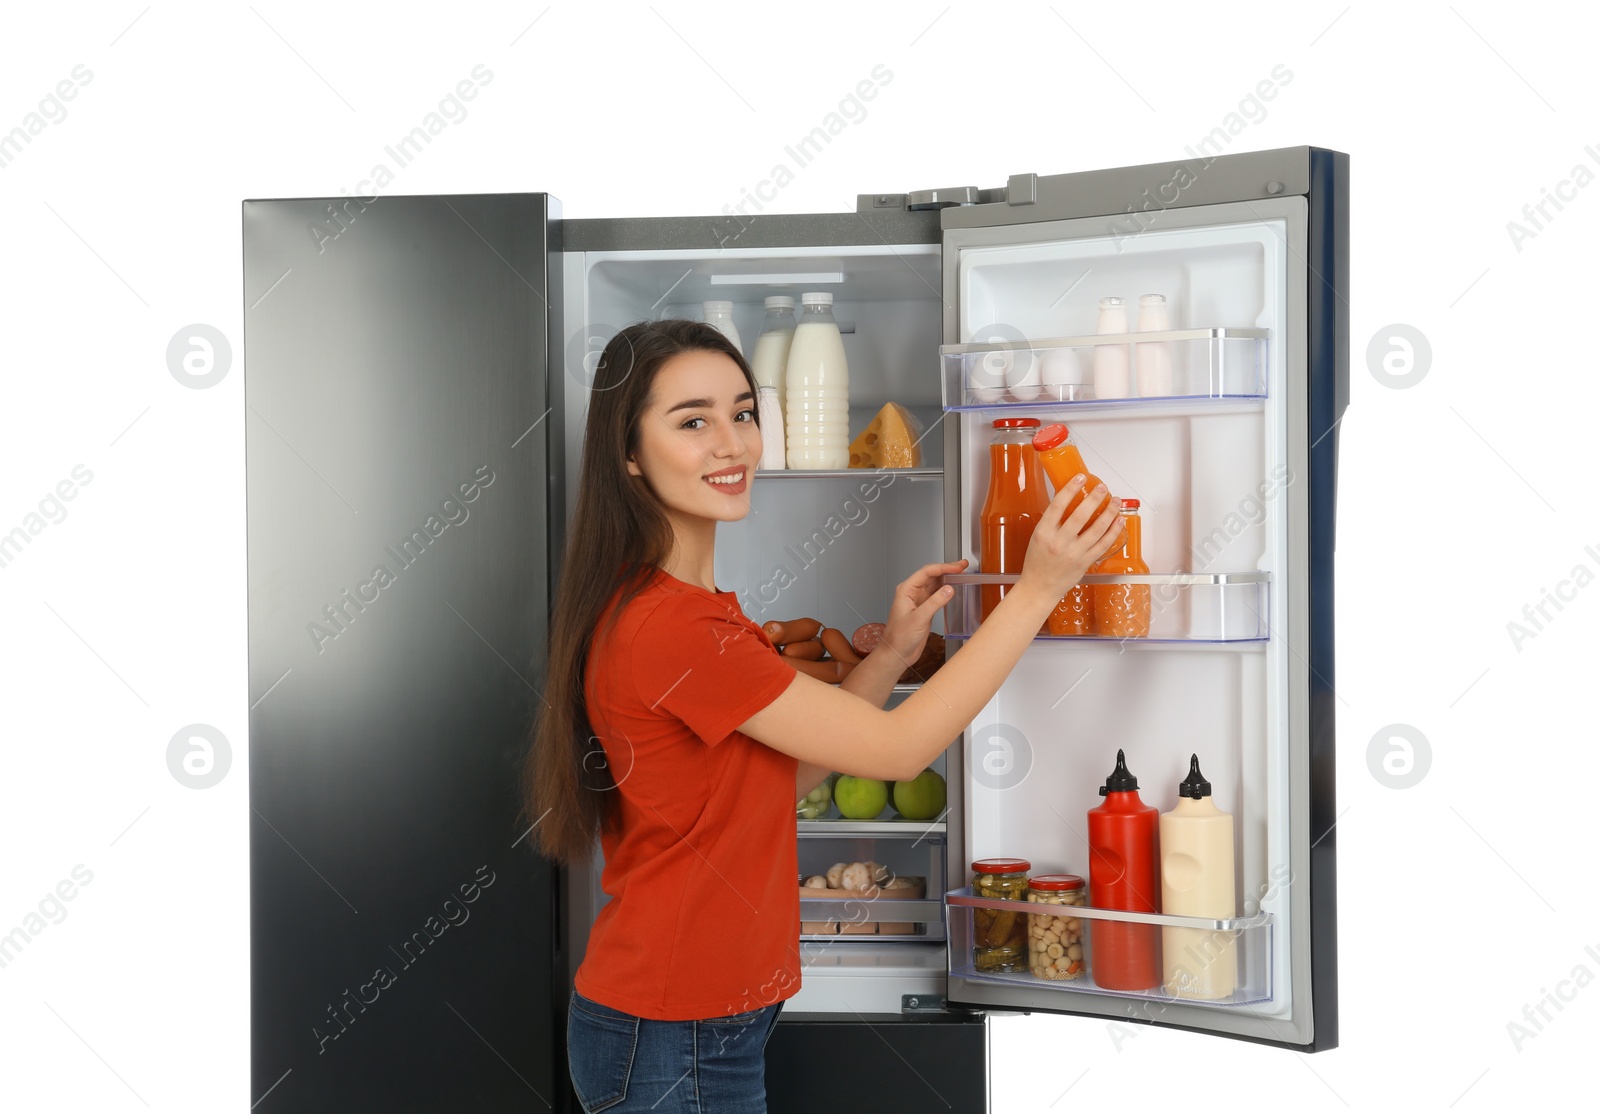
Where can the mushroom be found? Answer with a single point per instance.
(816, 882)
(836, 876)
(856, 876)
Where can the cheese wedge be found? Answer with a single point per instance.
(889, 441)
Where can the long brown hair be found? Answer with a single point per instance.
(619, 534)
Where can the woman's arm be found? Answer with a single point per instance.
(820, 725)
(809, 776)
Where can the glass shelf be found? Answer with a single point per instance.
(1197, 941)
(1207, 364)
(887, 823)
(1184, 607)
(848, 473)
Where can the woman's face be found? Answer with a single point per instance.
(698, 439)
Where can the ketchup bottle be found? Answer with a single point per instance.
(1124, 873)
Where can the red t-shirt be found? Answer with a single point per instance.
(704, 916)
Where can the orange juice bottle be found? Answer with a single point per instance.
(1122, 610)
(1074, 615)
(1015, 503)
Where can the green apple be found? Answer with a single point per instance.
(860, 798)
(921, 798)
(814, 803)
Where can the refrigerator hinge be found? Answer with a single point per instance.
(943, 198)
(922, 1003)
(1022, 189)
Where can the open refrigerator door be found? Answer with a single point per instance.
(1207, 419)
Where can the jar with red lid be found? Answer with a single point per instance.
(1055, 939)
(1000, 936)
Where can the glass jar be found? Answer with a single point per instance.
(1055, 940)
(1000, 936)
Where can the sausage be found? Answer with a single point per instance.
(830, 672)
(867, 637)
(839, 646)
(795, 630)
(806, 651)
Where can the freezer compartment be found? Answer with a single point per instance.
(1183, 607)
(889, 882)
(1004, 372)
(1195, 952)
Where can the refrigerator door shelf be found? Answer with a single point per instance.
(1201, 608)
(1212, 363)
(1251, 938)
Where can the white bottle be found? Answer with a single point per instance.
(720, 314)
(771, 412)
(1111, 360)
(1153, 359)
(817, 390)
(772, 345)
(1196, 841)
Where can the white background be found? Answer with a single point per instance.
(1463, 498)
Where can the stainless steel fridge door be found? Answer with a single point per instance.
(1300, 195)
(406, 950)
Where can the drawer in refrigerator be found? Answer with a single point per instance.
(1222, 962)
(1131, 369)
(1127, 609)
(876, 887)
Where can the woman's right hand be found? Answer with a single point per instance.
(1063, 546)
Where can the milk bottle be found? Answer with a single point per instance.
(1197, 881)
(1153, 359)
(772, 345)
(1111, 360)
(720, 314)
(817, 389)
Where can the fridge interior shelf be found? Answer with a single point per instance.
(1198, 941)
(1184, 606)
(1213, 363)
(849, 473)
(887, 823)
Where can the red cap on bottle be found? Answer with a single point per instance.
(1049, 437)
(1055, 882)
(1130, 504)
(1015, 423)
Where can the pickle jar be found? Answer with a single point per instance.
(1055, 937)
(1000, 936)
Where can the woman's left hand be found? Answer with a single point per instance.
(916, 600)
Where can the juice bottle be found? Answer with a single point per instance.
(1014, 505)
(1124, 874)
(1122, 610)
(1197, 881)
(1074, 615)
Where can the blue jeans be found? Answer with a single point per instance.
(622, 1063)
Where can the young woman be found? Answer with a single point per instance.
(675, 732)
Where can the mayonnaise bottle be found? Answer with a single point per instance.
(1197, 881)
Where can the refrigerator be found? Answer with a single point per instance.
(416, 370)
